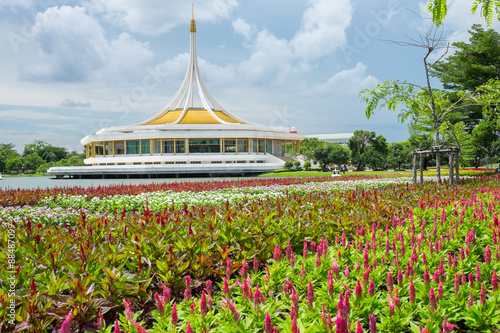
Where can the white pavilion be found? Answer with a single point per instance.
(186, 139)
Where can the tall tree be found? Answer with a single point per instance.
(7, 152)
(366, 142)
(487, 9)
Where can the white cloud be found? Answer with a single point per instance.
(69, 103)
(16, 3)
(73, 48)
(349, 81)
(159, 16)
(31, 115)
(243, 28)
(322, 29)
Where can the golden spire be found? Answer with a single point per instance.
(193, 24)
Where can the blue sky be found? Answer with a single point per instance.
(70, 68)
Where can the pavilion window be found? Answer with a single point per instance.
(108, 148)
(229, 146)
(145, 147)
(204, 146)
(243, 146)
(168, 147)
(262, 146)
(180, 146)
(156, 147)
(254, 146)
(99, 148)
(119, 147)
(133, 147)
(269, 146)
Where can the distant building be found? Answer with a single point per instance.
(340, 138)
(184, 139)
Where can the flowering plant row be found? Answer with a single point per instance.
(121, 262)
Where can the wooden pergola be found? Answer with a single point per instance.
(453, 164)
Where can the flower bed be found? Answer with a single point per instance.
(438, 244)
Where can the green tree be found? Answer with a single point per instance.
(46, 151)
(7, 152)
(14, 165)
(400, 154)
(359, 143)
(75, 160)
(340, 154)
(373, 158)
(33, 162)
(308, 145)
(484, 141)
(487, 8)
(323, 155)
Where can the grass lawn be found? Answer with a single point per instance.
(320, 173)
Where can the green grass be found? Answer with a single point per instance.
(321, 174)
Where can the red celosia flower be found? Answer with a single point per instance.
(159, 303)
(426, 276)
(255, 264)
(482, 295)
(331, 286)
(440, 291)
(203, 303)
(470, 302)
(372, 323)
(258, 298)
(289, 251)
(359, 328)
(117, 327)
(478, 272)
(447, 327)
(139, 328)
(390, 282)
(128, 309)
(187, 292)
(358, 290)
(487, 255)
(412, 291)
(277, 255)
(304, 251)
(457, 283)
(225, 287)
(371, 287)
(188, 327)
(391, 305)
(229, 269)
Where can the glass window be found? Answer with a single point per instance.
(254, 145)
(269, 146)
(230, 146)
(168, 147)
(156, 147)
(242, 146)
(99, 148)
(145, 147)
(180, 146)
(262, 145)
(204, 146)
(132, 147)
(108, 148)
(119, 148)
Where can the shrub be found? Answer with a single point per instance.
(307, 165)
(296, 164)
(288, 164)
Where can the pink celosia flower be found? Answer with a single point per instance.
(478, 272)
(277, 255)
(391, 305)
(166, 293)
(304, 252)
(487, 255)
(494, 281)
(255, 264)
(310, 295)
(323, 312)
(244, 269)
(482, 295)
(289, 251)
(173, 318)
(258, 298)
(66, 325)
(117, 327)
(292, 260)
(188, 327)
(390, 282)
(229, 269)
(346, 272)
(318, 259)
(139, 328)
(100, 320)
(447, 327)
(187, 292)
(371, 287)
(302, 272)
(225, 287)
(268, 324)
(128, 309)
(457, 283)
(159, 303)
(331, 286)
(203, 303)
(372, 323)
(412, 291)
(359, 328)
(358, 290)
(432, 299)
(440, 291)
(426, 276)
(470, 302)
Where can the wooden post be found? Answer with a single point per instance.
(457, 173)
(421, 169)
(414, 167)
(450, 167)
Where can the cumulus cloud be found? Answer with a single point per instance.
(16, 3)
(73, 48)
(159, 16)
(349, 81)
(243, 28)
(69, 103)
(322, 28)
